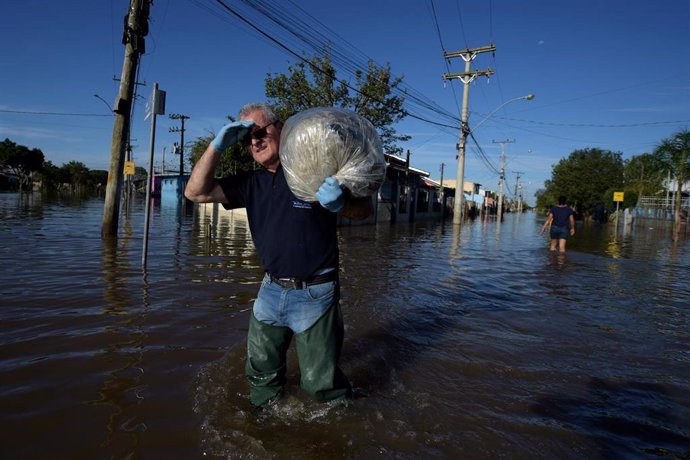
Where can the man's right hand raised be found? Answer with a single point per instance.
(231, 134)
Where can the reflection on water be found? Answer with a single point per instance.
(470, 341)
(123, 386)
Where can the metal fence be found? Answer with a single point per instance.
(661, 203)
(659, 208)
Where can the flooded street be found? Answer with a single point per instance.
(471, 342)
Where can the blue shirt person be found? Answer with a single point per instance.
(296, 242)
(562, 222)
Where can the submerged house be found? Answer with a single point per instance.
(407, 195)
(170, 188)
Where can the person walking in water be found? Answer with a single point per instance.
(297, 244)
(562, 224)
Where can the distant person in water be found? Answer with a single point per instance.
(600, 212)
(562, 224)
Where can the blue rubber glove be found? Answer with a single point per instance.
(231, 134)
(330, 195)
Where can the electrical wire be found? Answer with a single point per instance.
(482, 156)
(491, 22)
(443, 49)
(317, 41)
(406, 91)
(28, 112)
(593, 125)
(462, 26)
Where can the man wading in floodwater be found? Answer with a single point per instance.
(297, 244)
(562, 224)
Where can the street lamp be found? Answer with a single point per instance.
(529, 97)
(104, 101)
(460, 176)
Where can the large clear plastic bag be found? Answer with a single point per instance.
(326, 141)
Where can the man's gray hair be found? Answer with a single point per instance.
(267, 110)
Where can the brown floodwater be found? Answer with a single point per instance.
(471, 342)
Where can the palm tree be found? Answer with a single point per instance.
(675, 152)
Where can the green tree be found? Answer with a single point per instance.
(546, 196)
(20, 161)
(98, 178)
(235, 158)
(140, 174)
(675, 153)
(49, 176)
(315, 84)
(312, 84)
(73, 176)
(645, 174)
(77, 175)
(586, 177)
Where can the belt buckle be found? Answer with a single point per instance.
(293, 283)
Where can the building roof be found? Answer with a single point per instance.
(430, 182)
(401, 164)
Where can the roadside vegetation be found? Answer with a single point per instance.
(589, 176)
(24, 169)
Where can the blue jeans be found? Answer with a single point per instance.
(313, 316)
(296, 309)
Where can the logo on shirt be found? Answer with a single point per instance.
(301, 204)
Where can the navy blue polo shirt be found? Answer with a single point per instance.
(561, 216)
(293, 238)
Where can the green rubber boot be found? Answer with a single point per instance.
(266, 360)
(318, 350)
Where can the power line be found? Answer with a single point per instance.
(28, 112)
(305, 33)
(308, 29)
(592, 125)
(462, 26)
(491, 22)
(443, 49)
(482, 155)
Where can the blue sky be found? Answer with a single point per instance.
(610, 74)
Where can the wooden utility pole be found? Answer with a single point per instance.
(136, 28)
(467, 77)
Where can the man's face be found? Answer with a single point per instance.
(264, 140)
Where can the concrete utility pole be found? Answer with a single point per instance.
(136, 28)
(467, 77)
(517, 180)
(518, 187)
(443, 200)
(502, 177)
(182, 118)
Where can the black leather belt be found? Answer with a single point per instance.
(297, 283)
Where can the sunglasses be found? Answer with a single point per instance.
(257, 134)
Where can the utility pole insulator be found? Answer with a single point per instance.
(468, 77)
(469, 52)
